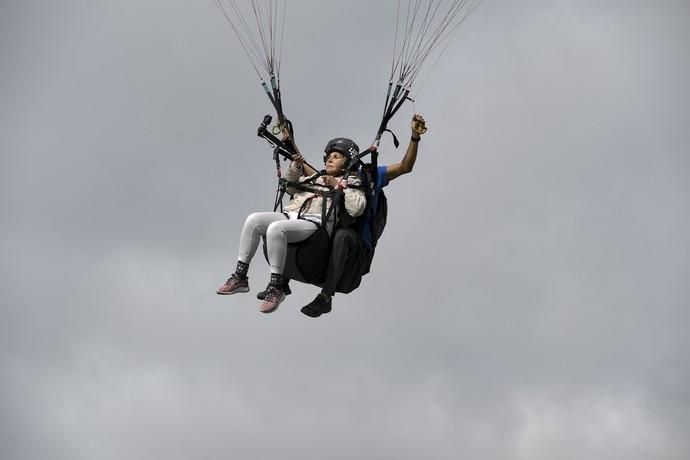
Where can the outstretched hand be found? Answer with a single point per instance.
(418, 125)
(298, 159)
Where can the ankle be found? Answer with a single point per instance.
(277, 281)
(242, 269)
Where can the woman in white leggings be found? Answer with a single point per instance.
(302, 217)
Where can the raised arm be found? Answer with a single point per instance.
(418, 127)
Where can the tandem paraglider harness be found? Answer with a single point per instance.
(307, 261)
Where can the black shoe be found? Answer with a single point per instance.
(286, 290)
(317, 307)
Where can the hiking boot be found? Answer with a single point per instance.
(285, 287)
(317, 307)
(273, 298)
(233, 285)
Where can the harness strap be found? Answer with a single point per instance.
(374, 172)
(280, 193)
(326, 211)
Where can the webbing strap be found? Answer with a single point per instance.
(326, 211)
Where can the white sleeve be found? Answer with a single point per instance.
(355, 201)
(293, 172)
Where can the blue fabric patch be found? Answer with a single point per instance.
(372, 204)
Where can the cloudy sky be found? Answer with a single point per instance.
(529, 299)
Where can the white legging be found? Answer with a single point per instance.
(279, 230)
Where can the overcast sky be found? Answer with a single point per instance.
(529, 298)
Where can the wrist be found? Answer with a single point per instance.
(414, 138)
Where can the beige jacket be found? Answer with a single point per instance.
(355, 200)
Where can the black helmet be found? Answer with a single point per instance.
(345, 146)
